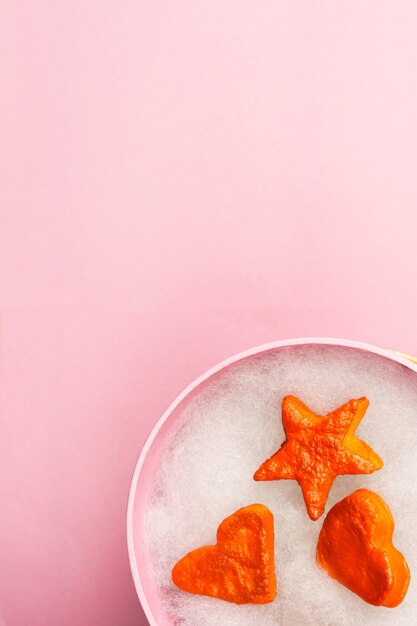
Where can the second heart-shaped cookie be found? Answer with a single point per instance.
(355, 547)
(240, 568)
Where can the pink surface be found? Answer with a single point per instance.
(179, 181)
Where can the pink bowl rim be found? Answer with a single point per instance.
(266, 347)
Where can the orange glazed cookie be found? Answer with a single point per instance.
(319, 448)
(240, 568)
(355, 547)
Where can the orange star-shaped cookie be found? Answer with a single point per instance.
(319, 448)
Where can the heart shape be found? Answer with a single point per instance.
(240, 568)
(355, 547)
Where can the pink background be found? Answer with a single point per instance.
(179, 181)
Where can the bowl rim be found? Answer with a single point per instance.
(259, 349)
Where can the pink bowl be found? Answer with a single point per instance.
(142, 481)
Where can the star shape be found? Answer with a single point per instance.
(319, 448)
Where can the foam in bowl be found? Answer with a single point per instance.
(234, 424)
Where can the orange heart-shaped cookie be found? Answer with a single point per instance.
(355, 547)
(240, 567)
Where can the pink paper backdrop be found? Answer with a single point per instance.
(179, 181)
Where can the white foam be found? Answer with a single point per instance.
(235, 424)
